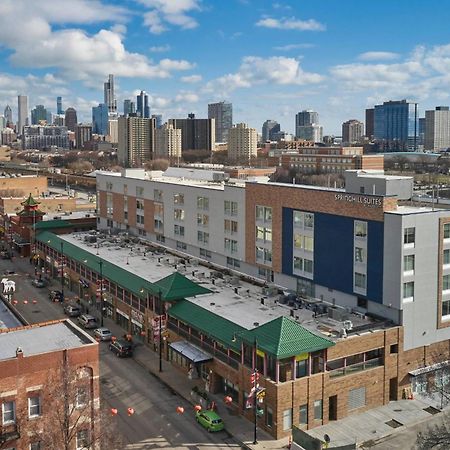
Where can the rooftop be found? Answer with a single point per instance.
(7, 318)
(43, 338)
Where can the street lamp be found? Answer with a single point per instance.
(100, 263)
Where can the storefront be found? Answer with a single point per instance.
(190, 357)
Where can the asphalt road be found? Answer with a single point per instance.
(124, 383)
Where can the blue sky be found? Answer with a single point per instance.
(269, 58)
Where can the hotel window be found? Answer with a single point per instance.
(264, 234)
(159, 209)
(360, 255)
(317, 409)
(446, 230)
(181, 245)
(82, 396)
(83, 440)
(446, 258)
(408, 263)
(446, 283)
(109, 186)
(409, 236)
(139, 205)
(230, 208)
(139, 191)
(203, 203)
(287, 419)
(157, 195)
(203, 220)
(34, 406)
(8, 412)
(408, 290)
(298, 217)
(233, 262)
(264, 213)
(360, 280)
(178, 199)
(125, 189)
(178, 230)
(309, 221)
(205, 253)
(303, 265)
(203, 237)
(304, 242)
(158, 225)
(445, 308)
(303, 415)
(360, 229)
(231, 245)
(263, 254)
(230, 226)
(178, 214)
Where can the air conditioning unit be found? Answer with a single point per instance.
(348, 325)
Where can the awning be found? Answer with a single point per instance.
(190, 351)
(431, 368)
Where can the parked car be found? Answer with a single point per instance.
(9, 272)
(104, 334)
(72, 310)
(210, 420)
(87, 321)
(121, 348)
(39, 283)
(56, 296)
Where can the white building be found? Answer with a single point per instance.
(167, 142)
(437, 128)
(242, 142)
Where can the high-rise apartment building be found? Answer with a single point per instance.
(8, 115)
(22, 113)
(108, 94)
(196, 134)
(370, 122)
(41, 137)
(100, 119)
(113, 129)
(269, 129)
(222, 113)
(352, 131)
(129, 107)
(159, 120)
(136, 140)
(396, 125)
(167, 142)
(71, 119)
(437, 128)
(242, 142)
(59, 108)
(83, 134)
(422, 127)
(142, 107)
(38, 114)
(307, 126)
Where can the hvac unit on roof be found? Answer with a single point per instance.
(348, 325)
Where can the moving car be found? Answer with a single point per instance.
(121, 348)
(87, 321)
(72, 310)
(56, 296)
(210, 420)
(104, 334)
(39, 283)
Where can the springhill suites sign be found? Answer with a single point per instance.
(371, 202)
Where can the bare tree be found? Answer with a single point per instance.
(436, 437)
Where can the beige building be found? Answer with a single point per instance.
(113, 130)
(167, 142)
(352, 131)
(5, 153)
(135, 140)
(437, 128)
(242, 142)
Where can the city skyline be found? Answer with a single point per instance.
(270, 59)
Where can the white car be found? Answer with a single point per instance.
(104, 334)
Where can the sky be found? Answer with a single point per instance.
(271, 59)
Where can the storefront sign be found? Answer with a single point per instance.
(123, 314)
(371, 202)
(137, 316)
(301, 357)
(260, 353)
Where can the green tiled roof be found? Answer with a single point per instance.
(284, 337)
(30, 201)
(208, 323)
(176, 287)
(49, 224)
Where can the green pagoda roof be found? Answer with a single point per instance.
(50, 224)
(30, 201)
(176, 287)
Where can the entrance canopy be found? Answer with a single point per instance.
(190, 351)
(431, 368)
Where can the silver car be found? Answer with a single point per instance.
(104, 334)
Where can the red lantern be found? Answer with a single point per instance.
(180, 410)
(143, 333)
(113, 338)
(25, 302)
(114, 411)
(34, 302)
(228, 400)
(197, 408)
(14, 302)
(130, 411)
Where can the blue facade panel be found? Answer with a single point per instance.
(334, 253)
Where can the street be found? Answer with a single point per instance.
(124, 382)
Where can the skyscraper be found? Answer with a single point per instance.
(142, 110)
(352, 131)
(167, 142)
(71, 119)
(129, 107)
(108, 94)
(22, 113)
(59, 108)
(307, 126)
(158, 118)
(269, 128)
(83, 134)
(100, 119)
(396, 125)
(437, 128)
(8, 115)
(38, 114)
(222, 112)
(370, 119)
(196, 134)
(242, 142)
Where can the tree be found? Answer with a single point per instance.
(72, 414)
(80, 167)
(436, 437)
(157, 164)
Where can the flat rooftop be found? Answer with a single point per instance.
(7, 318)
(238, 298)
(43, 338)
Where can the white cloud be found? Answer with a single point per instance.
(191, 79)
(289, 47)
(291, 23)
(172, 12)
(187, 97)
(160, 48)
(378, 56)
(255, 70)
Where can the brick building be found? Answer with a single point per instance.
(36, 362)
